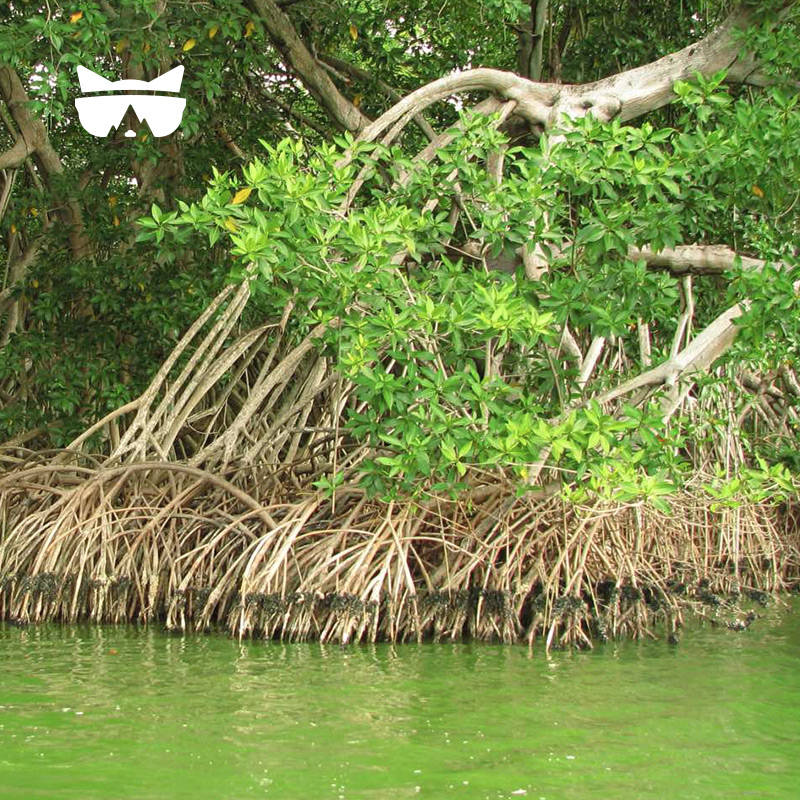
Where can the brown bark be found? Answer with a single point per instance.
(314, 77)
(16, 154)
(36, 144)
(531, 44)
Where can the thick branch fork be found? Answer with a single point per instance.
(626, 95)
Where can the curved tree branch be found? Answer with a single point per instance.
(649, 87)
(626, 95)
(392, 93)
(16, 154)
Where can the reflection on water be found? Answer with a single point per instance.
(131, 713)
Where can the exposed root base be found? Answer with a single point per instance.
(169, 543)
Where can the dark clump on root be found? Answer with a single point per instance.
(758, 596)
(196, 552)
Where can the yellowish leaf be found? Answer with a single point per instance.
(190, 43)
(230, 224)
(34, 212)
(212, 31)
(116, 221)
(758, 191)
(353, 32)
(357, 100)
(248, 29)
(141, 286)
(121, 46)
(112, 200)
(146, 47)
(35, 283)
(13, 228)
(73, 18)
(241, 196)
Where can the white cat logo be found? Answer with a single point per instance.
(98, 115)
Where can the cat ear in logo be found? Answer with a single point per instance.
(92, 82)
(168, 82)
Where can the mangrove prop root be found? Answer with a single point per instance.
(174, 544)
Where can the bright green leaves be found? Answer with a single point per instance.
(156, 225)
(454, 368)
(254, 247)
(502, 312)
(450, 367)
(454, 458)
(414, 366)
(766, 483)
(702, 94)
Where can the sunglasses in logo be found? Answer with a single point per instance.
(98, 115)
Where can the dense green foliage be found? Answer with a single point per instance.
(415, 341)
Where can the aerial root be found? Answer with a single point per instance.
(175, 544)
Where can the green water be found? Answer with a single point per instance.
(111, 713)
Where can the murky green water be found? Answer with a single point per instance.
(125, 713)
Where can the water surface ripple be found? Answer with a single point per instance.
(111, 713)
